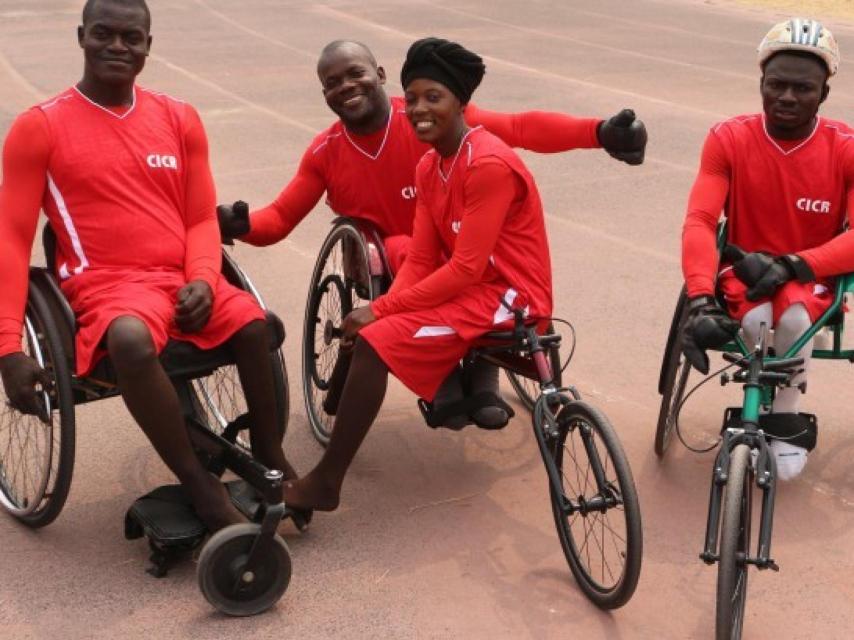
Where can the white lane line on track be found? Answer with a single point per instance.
(592, 44)
(257, 34)
(525, 69)
(272, 113)
(20, 80)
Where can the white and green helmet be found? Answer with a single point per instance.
(801, 34)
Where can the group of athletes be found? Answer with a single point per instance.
(123, 176)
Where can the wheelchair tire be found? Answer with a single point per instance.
(673, 378)
(527, 389)
(735, 546)
(220, 395)
(332, 295)
(607, 568)
(221, 571)
(37, 458)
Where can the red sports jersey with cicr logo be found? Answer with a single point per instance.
(779, 197)
(116, 185)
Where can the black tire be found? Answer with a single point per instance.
(735, 546)
(333, 293)
(673, 379)
(528, 390)
(608, 579)
(221, 565)
(37, 458)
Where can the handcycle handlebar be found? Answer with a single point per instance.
(780, 365)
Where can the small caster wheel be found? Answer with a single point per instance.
(225, 583)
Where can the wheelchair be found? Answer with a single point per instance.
(352, 269)
(243, 569)
(744, 465)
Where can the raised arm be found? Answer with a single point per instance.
(540, 131)
(25, 160)
(490, 189)
(275, 221)
(699, 239)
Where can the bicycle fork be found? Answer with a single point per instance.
(765, 479)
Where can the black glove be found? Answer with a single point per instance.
(21, 378)
(623, 137)
(707, 327)
(233, 221)
(763, 273)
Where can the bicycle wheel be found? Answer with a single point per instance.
(527, 389)
(673, 379)
(598, 521)
(735, 546)
(342, 280)
(37, 456)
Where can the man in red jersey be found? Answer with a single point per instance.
(785, 182)
(122, 174)
(365, 163)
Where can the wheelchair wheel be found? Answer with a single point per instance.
(527, 389)
(595, 507)
(673, 379)
(735, 547)
(220, 394)
(37, 455)
(342, 280)
(224, 581)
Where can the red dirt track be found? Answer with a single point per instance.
(450, 535)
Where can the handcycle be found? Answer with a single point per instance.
(352, 269)
(743, 460)
(593, 497)
(243, 569)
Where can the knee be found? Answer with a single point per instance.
(130, 345)
(795, 319)
(252, 336)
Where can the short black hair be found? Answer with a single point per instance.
(90, 5)
(333, 46)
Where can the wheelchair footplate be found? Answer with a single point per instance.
(166, 517)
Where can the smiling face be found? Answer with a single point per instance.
(792, 86)
(436, 115)
(115, 43)
(352, 87)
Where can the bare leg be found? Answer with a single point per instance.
(360, 403)
(252, 354)
(154, 404)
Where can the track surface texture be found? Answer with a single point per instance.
(450, 535)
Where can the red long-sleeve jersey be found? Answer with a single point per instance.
(779, 197)
(124, 189)
(373, 177)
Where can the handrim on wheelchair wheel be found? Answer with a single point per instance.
(346, 275)
(595, 506)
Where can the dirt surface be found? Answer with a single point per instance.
(449, 535)
(820, 9)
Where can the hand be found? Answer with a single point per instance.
(193, 310)
(233, 221)
(707, 327)
(763, 273)
(623, 137)
(353, 323)
(21, 375)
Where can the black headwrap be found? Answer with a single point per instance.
(447, 62)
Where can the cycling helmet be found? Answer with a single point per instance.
(801, 34)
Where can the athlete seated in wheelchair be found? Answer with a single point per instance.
(478, 205)
(123, 177)
(785, 182)
(365, 164)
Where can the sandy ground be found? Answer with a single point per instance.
(820, 9)
(449, 535)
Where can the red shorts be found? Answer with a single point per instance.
(99, 297)
(422, 347)
(815, 296)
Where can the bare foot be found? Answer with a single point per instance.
(212, 504)
(311, 492)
